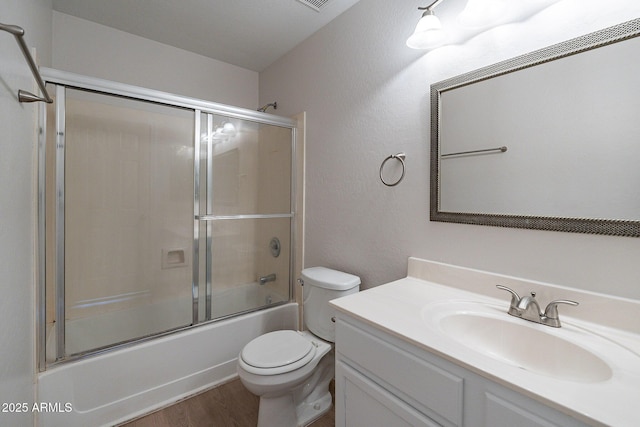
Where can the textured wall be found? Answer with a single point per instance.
(84, 47)
(17, 204)
(367, 96)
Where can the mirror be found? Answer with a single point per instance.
(548, 140)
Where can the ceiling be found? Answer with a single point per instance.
(248, 33)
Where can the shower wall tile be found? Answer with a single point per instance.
(129, 189)
(129, 184)
(274, 195)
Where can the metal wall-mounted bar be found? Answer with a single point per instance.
(23, 95)
(486, 150)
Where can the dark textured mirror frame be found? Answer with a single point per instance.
(617, 33)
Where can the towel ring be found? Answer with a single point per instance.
(400, 157)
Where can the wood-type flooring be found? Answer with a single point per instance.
(229, 405)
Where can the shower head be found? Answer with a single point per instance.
(263, 109)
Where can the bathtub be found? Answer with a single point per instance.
(119, 385)
(117, 326)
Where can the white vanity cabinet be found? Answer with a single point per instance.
(383, 380)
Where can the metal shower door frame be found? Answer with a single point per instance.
(62, 80)
(209, 217)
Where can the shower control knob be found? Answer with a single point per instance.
(274, 247)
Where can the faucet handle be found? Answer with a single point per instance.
(551, 311)
(515, 298)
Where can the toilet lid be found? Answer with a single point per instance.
(276, 349)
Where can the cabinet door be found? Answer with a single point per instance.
(502, 413)
(416, 380)
(365, 404)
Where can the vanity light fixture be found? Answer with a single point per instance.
(428, 32)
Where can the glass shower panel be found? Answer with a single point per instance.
(241, 257)
(248, 192)
(155, 214)
(128, 219)
(251, 168)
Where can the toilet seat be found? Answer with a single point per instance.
(277, 353)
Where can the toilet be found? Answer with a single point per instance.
(291, 370)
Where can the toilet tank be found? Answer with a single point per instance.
(321, 285)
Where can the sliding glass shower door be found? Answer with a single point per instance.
(124, 210)
(157, 213)
(247, 218)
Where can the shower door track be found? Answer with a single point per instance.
(64, 80)
(92, 84)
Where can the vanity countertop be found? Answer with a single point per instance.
(402, 308)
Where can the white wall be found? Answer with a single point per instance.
(91, 49)
(367, 96)
(17, 204)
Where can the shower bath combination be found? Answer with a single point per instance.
(127, 175)
(153, 238)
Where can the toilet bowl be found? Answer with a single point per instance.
(291, 370)
(286, 388)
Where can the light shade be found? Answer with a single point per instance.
(428, 32)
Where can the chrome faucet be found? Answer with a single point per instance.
(268, 278)
(528, 308)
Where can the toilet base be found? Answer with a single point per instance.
(302, 405)
(281, 411)
(311, 411)
(277, 411)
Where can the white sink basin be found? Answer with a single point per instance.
(540, 349)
